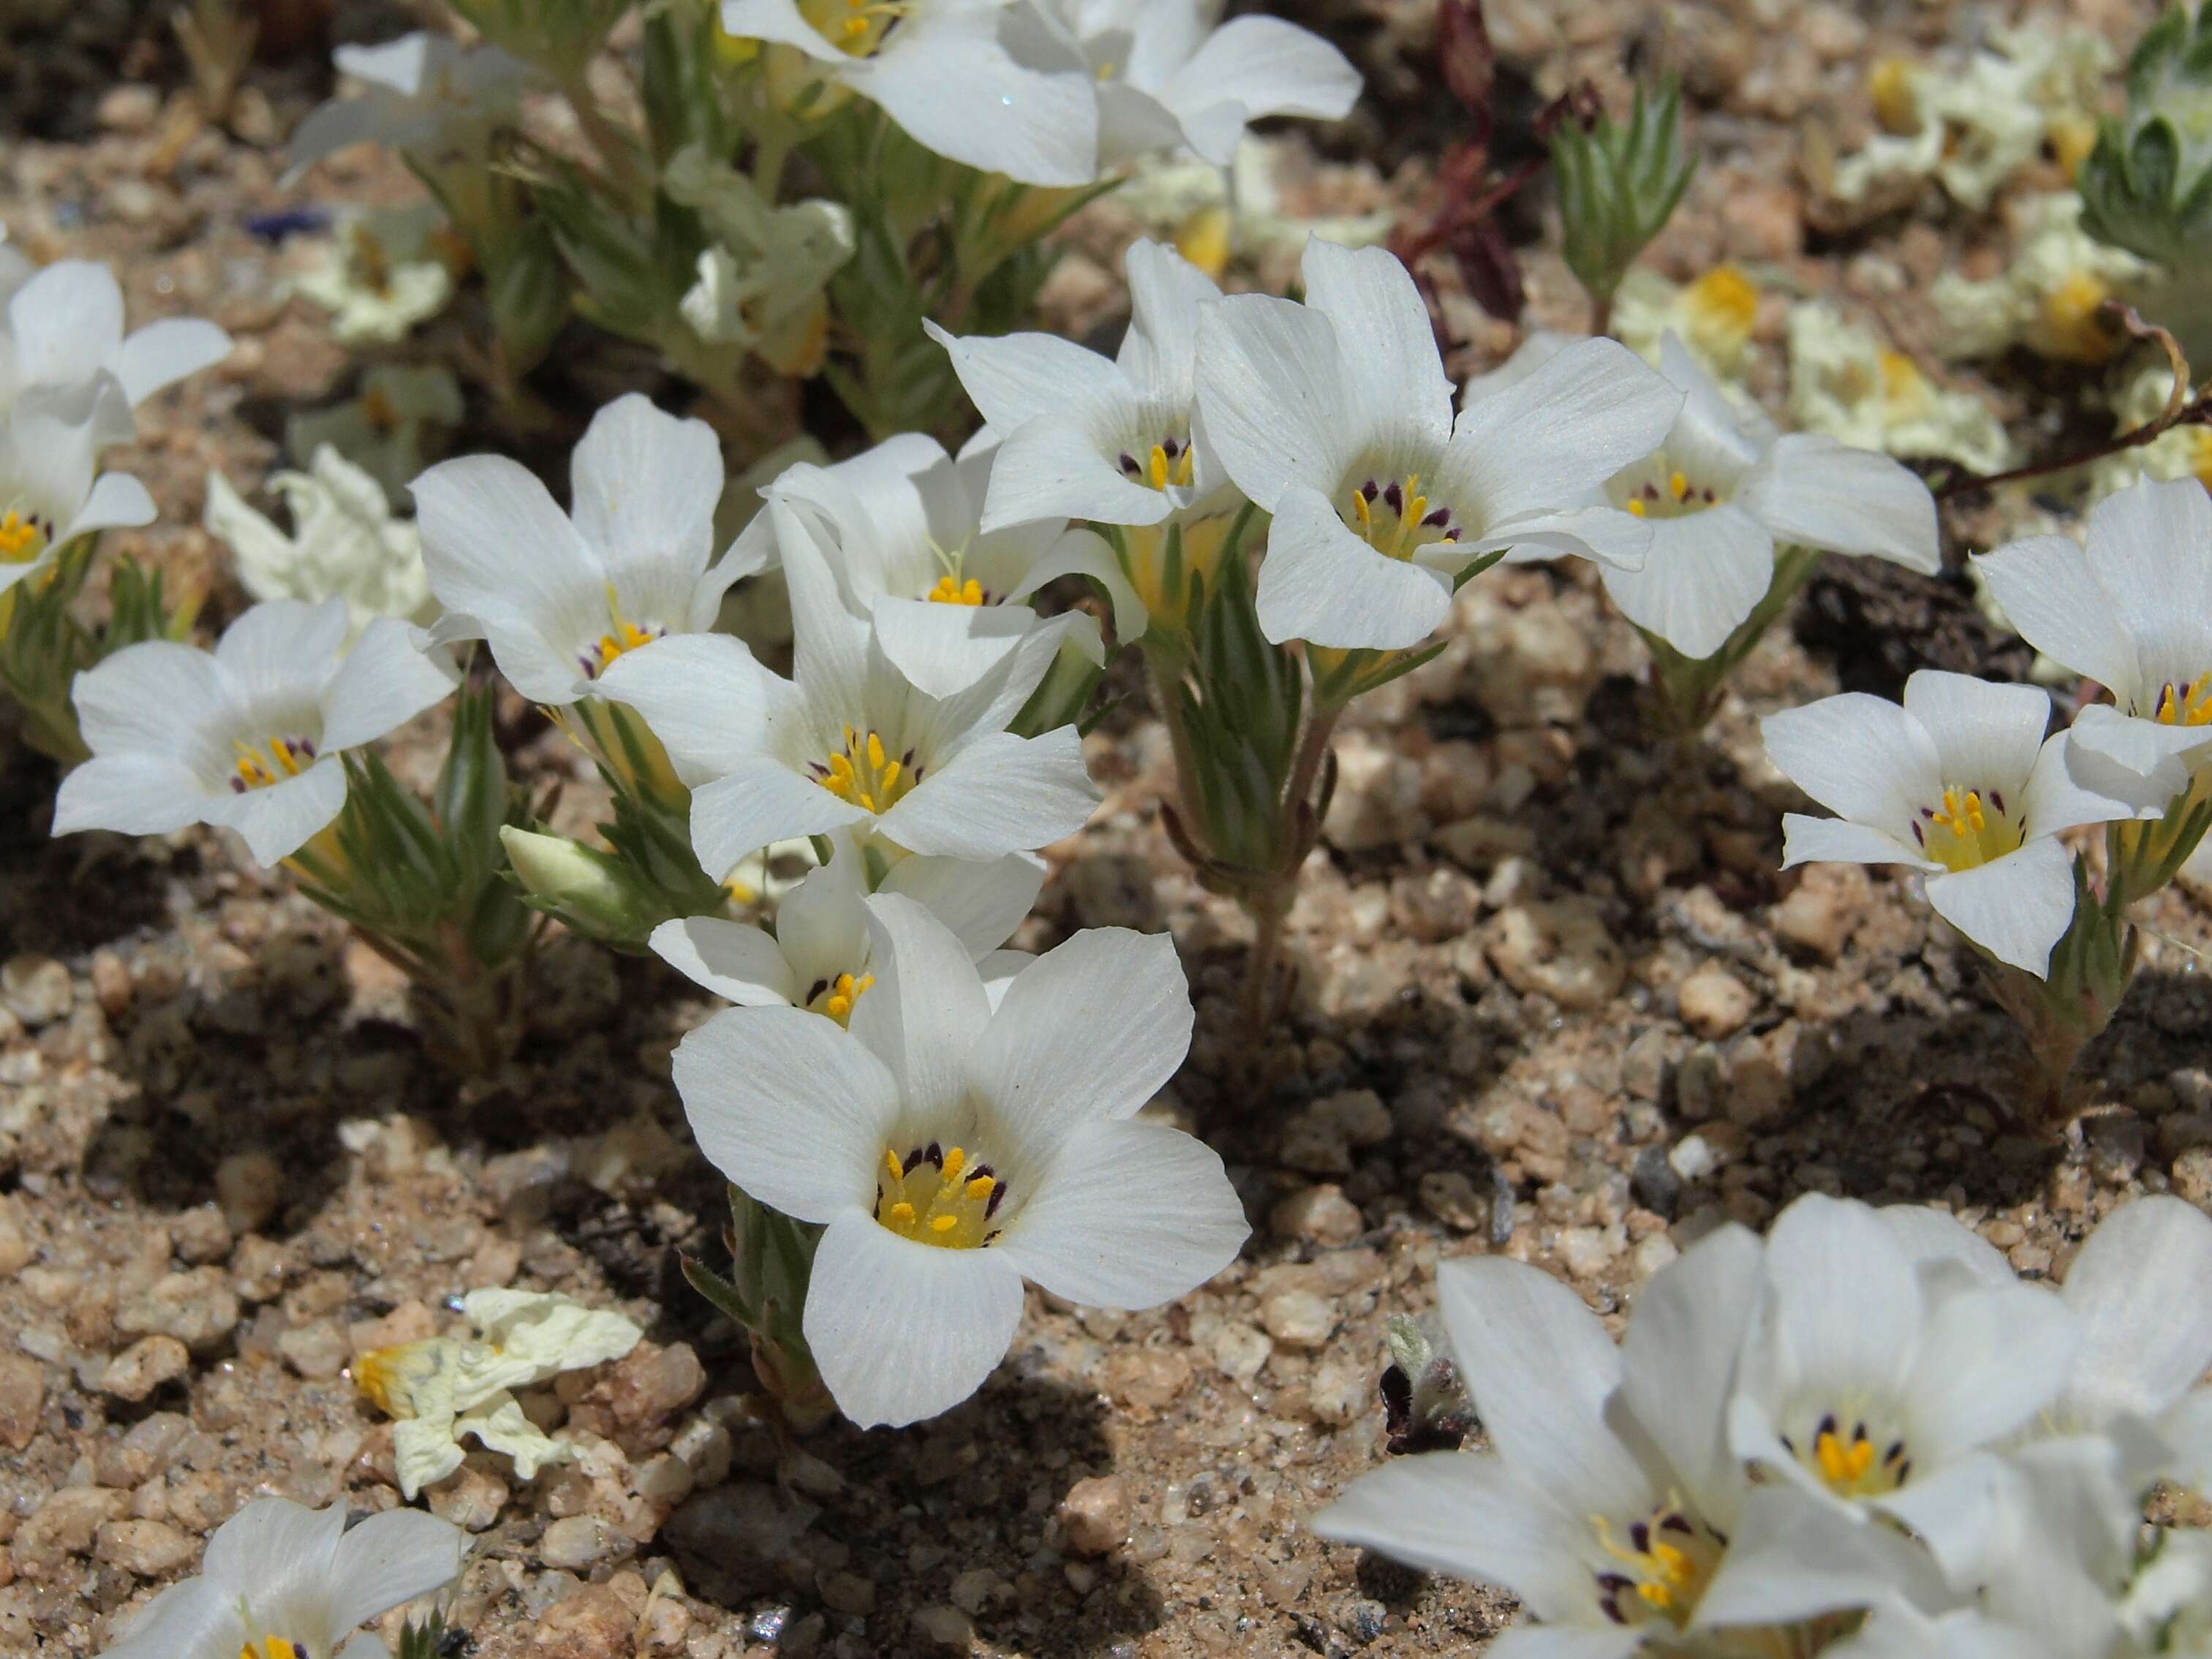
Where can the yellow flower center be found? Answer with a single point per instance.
(1207, 239)
(1969, 829)
(260, 765)
(1854, 1465)
(1719, 310)
(864, 773)
(836, 997)
(934, 1195)
(1660, 490)
(1168, 463)
(856, 26)
(22, 538)
(1396, 520)
(623, 634)
(2069, 323)
(272, 1647)
(1666, 1562)
(951, 590)
(2185, 705)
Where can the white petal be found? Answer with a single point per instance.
(1272, 389)
(2051, 596)
(190, 1618)
(1166, 296)
(1605, 535)
(117, 501)
(1085, 553)
(274, 1551)
(1862, 758)
(829, 646)
(904, 1331)
(1701, 578)
(1928, 1233)
(67, 322)
(729, 958)
(1792, 1558)
(132, 793)
(1986, 735)
(497, 548)
(159, 698)
(1806, 840)
(944, 648)
(789, 1107)
(757, 800)
(1061, 467)
(1000, 794)
(389, 1561)
(645, 485)
(1015, 379)
(927, 1011)
(2151, 547)
(958, 92)
(283, 648)
(1678, 1362)
(276, 822)
(2117, 757)
(982, 901)
(1547, 440)
(781, 22)
(1384, 338)
(384, 681)
(1542, 1371)
(1564, 1642)
(1473, 1518)
(1130, 1215)
(2055, 798)
(1093, 1029)
(1815, 492)
(1271, 68)
(2015, 909)
(1847, 1303)
(161, 354)
(712, 706)
(1989, 1360)
(1319, 582)
(2138, 1289)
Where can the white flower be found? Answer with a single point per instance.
(951, 1151)
(1723, 489)
(400, 413)
(760, 284)
(248, 736)
(443, 1387)
(1712, 316)
(422, 93)
(1960, 784)
(1846, 385)
(848, 742)
(281, 1582)
(384, 271)
(1167, 80)
(1336, 417)
(2050, 295)
(562, 595)
(1613, 1505)
(344, 543)
(2133, 612)
(49, 492)
(820, 954)
(1875, 1363)
(945, 74)
(64, 350)
(1211, 211)
(901, 527)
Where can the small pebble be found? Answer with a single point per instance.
(1095, 1514)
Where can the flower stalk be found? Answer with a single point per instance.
(771, 1260)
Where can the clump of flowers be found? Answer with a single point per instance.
(1862, 1435)
(1845, 383)
(345, 543)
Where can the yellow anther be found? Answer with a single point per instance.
(891, 1161)
(944, 1224)
(1636, 506)
(951, 590)
(876, 750)
(903, 1213)
(1159, 467)
(929, 1202)
(1359, 506)
(272, 1647)
(2186, 705)
(21, 539)
(1843, 1464)
(955, 1161)
(1678, 485)
(866, 772)
(981, 1186)
(856, 27)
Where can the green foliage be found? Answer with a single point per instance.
(44, 647)
(2147, 185)
(771, 1259)
(1618, 185)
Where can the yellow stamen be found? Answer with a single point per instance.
(2186, 705)
(1636, 506)
(943, 1224)
(1843, 1464)
(891, 1160)
(866, 774)
(951, 590)
(980, 1188)
(21, 539)
(271, 763)
(1678, 485)
(928, 1202)
(1359, 506)
(1159, 467)
(955, 1161)
(272, 1647)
